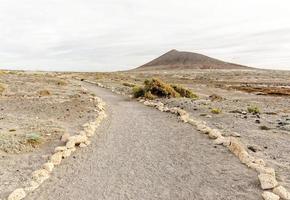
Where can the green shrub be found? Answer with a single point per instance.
(216, 111)
(184, 92)
(138, 91)
(129, 84)
(253, 109)
(33, 138)
(159, 88)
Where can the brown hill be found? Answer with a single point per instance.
(187, 60)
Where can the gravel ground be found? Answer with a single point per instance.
(141, 153)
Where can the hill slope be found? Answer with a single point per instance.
(187, 60)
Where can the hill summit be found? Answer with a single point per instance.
(187, 60)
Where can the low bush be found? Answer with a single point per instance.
(253, 110)
(184, 92)
(138, 91)
(157, 88)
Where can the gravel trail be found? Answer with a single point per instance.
(141, 153)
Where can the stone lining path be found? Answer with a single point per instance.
(141, 153)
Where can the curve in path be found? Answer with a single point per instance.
(141, 153)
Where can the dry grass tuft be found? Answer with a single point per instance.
(184, 92)
(44, 93)
(216, 111)
(253, 110)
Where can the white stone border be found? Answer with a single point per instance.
(60, 153)
(267, 177)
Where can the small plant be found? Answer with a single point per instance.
(33, 138)
(138, 91)
(184, 92)
(61, 83)
(44, 93)
(265, 128)
(253, 110)
(129, 84)
(216, 111)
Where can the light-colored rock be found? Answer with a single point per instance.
(32, 185)
(262, 169)
(270, 196)
(185, 118)
(267, 181)
(17, 194)
(282, 192)
(204, 129)
(48, 166)
(40, 175)
(222, 141)
(82, 145)
(76, 140)
(88, 143)
(60, 148)
(64, 137)
(214, 134)
(67, 153)
(260, 161)
(56, 158)
(236, 147)
(245, 157)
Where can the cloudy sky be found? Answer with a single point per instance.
(106, 35)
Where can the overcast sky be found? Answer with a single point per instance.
(106, 35)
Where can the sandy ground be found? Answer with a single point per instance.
(41, 105)
(141, 153)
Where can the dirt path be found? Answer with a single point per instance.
(141, 153)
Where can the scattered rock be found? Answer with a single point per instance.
(282, 192)
(214, 134)
(270, 196)
(66, 153)
(48, 166)
(82, 145)
(64, 137)
(254, 148)
(56, 158)
(40, 175)
(32, 185)
(267, 181)
(60, 149)
(17, 194)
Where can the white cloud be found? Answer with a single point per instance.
(112, 34)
